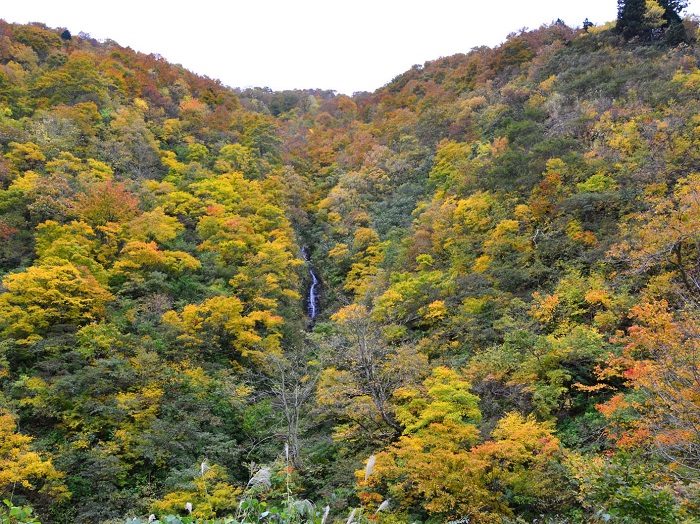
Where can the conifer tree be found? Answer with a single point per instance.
(630, 18)
(649, 19)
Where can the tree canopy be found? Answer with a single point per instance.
(505, 249)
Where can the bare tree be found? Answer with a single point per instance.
(367, 368)
(291, 381)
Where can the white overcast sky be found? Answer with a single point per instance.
(286, 44)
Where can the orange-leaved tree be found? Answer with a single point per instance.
(660, 358)
(660, 362)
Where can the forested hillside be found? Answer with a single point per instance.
(508, 249)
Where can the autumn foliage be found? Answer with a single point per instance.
(506, 256)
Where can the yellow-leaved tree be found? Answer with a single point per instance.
(439, 468)
(207, 492)
(45, 296)
(22, 469)
(220, 324)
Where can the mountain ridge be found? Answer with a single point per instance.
(506, 244)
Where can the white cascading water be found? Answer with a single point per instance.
(312, 294)
(311, 305)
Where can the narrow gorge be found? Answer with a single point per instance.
(312, 298)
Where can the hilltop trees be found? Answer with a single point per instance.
(649, 20)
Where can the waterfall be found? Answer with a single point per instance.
(312, 302)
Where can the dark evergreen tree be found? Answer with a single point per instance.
(673, 8)
(672, 12)
(66, 35)
(676, 34)
(632, 20)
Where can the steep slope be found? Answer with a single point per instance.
(507, 243)
(149, 272)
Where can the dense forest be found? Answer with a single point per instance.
(507, 245)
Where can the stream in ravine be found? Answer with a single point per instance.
(312, 301)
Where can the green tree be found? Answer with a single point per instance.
(646, 19)
(630, 18)
(76, 81)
